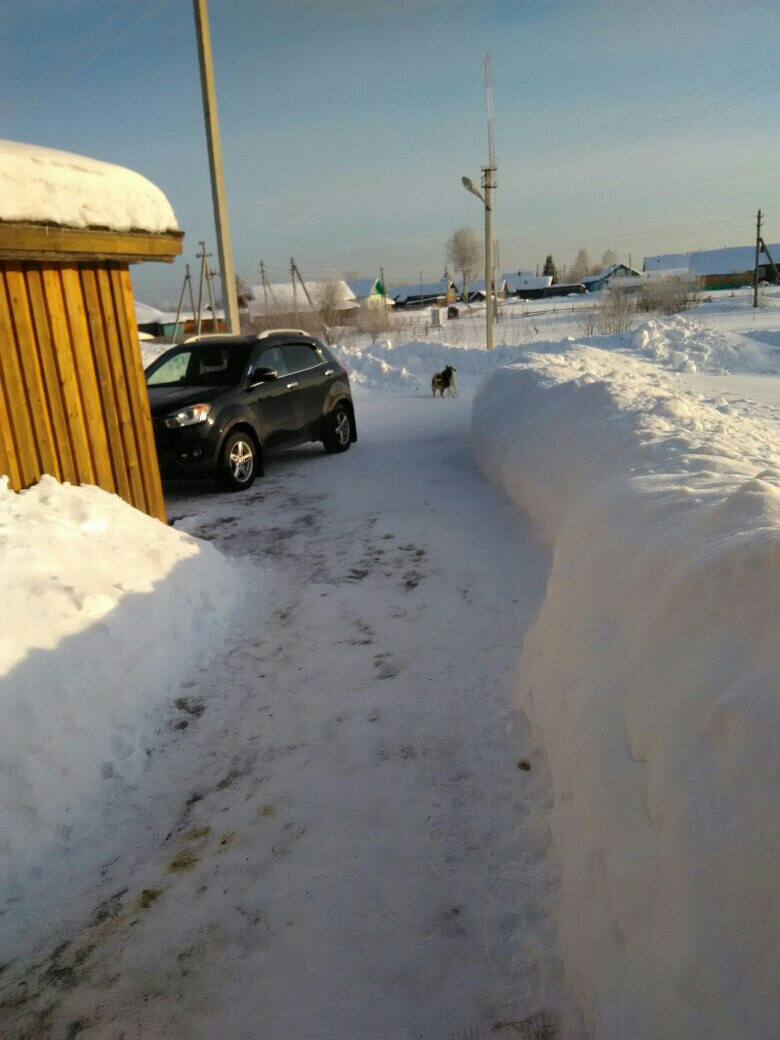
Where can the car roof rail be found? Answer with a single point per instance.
(213, 335)
(285, 332)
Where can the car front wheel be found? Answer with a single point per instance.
(238, 464)
(338, 429)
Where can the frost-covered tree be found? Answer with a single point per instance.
(609, 258)
(243, 293)
(464, 252)
(581, 266)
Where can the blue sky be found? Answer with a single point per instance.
(347, 125)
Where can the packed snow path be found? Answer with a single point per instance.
(333, 837)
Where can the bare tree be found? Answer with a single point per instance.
(609, 258)
(243, 293)
(464, 252)
(581, 266)
(669, 295)
(329, 301)
(613, 312)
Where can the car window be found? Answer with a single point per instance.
(300, 356)
(202, 364)
(272, 357)
(171, 371)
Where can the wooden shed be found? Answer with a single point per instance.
(73, 400)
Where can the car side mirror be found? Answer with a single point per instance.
(262, 374)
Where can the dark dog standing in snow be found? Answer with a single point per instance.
(445, 382)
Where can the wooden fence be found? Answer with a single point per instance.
(73, 400)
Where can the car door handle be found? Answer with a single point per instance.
(329, 371)
(291, 386)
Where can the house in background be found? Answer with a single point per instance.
(616, 276)
(369, 291)
(283, 300)
(727, 268)
(524, 284)
(424, 294)
(161, 325)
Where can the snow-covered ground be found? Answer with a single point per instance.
(331, 835)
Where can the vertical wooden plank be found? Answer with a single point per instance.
(9, 462)
(136, 384)
(51, 376)
(87, 377)
(15, 395)
(121, 394)
(97, 336)
(66, 367)
(30, 368)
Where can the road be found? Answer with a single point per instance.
(334, 836)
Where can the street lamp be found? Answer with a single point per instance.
(487, 185)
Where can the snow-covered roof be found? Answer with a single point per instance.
(610, 272)
(405, 292)
(362, 287)
(729, 260)
(520, 280)
(282, 296)
(146, 315)
(734, 259)
(45, 186)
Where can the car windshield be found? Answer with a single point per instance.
(200, 364)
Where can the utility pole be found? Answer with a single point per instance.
(187, 282)
(758, 254)
(212, 304)
(202, 257)
(292, 276)
(384, 291)
(489, 183)
(265, 288)
(229, 295)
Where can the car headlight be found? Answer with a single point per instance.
(195, 413)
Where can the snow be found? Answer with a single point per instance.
(47, 186)
(102, 607)
(649, 676)
(331, 834)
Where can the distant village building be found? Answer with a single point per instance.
(522, 284)
(283, 300)
(163, 325)
(369, 291)
(616, 276)
(727, 268)
(424, 294)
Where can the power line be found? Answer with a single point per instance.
(671, 122)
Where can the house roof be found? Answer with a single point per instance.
(622, 270)
(521, 280)
(406, 292)
(46, 186)
(282, 296)
(729, 260)
(362, 286)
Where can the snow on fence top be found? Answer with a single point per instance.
(45, 186)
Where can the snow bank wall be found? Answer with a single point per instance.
(649, 677)
(105, 611)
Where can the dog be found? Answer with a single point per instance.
(445, 382)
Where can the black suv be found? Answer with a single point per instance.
(220, 402)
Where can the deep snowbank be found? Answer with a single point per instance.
(104, 610)
(649, 676)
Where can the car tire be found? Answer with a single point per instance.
(239, 462)
(338, 429)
